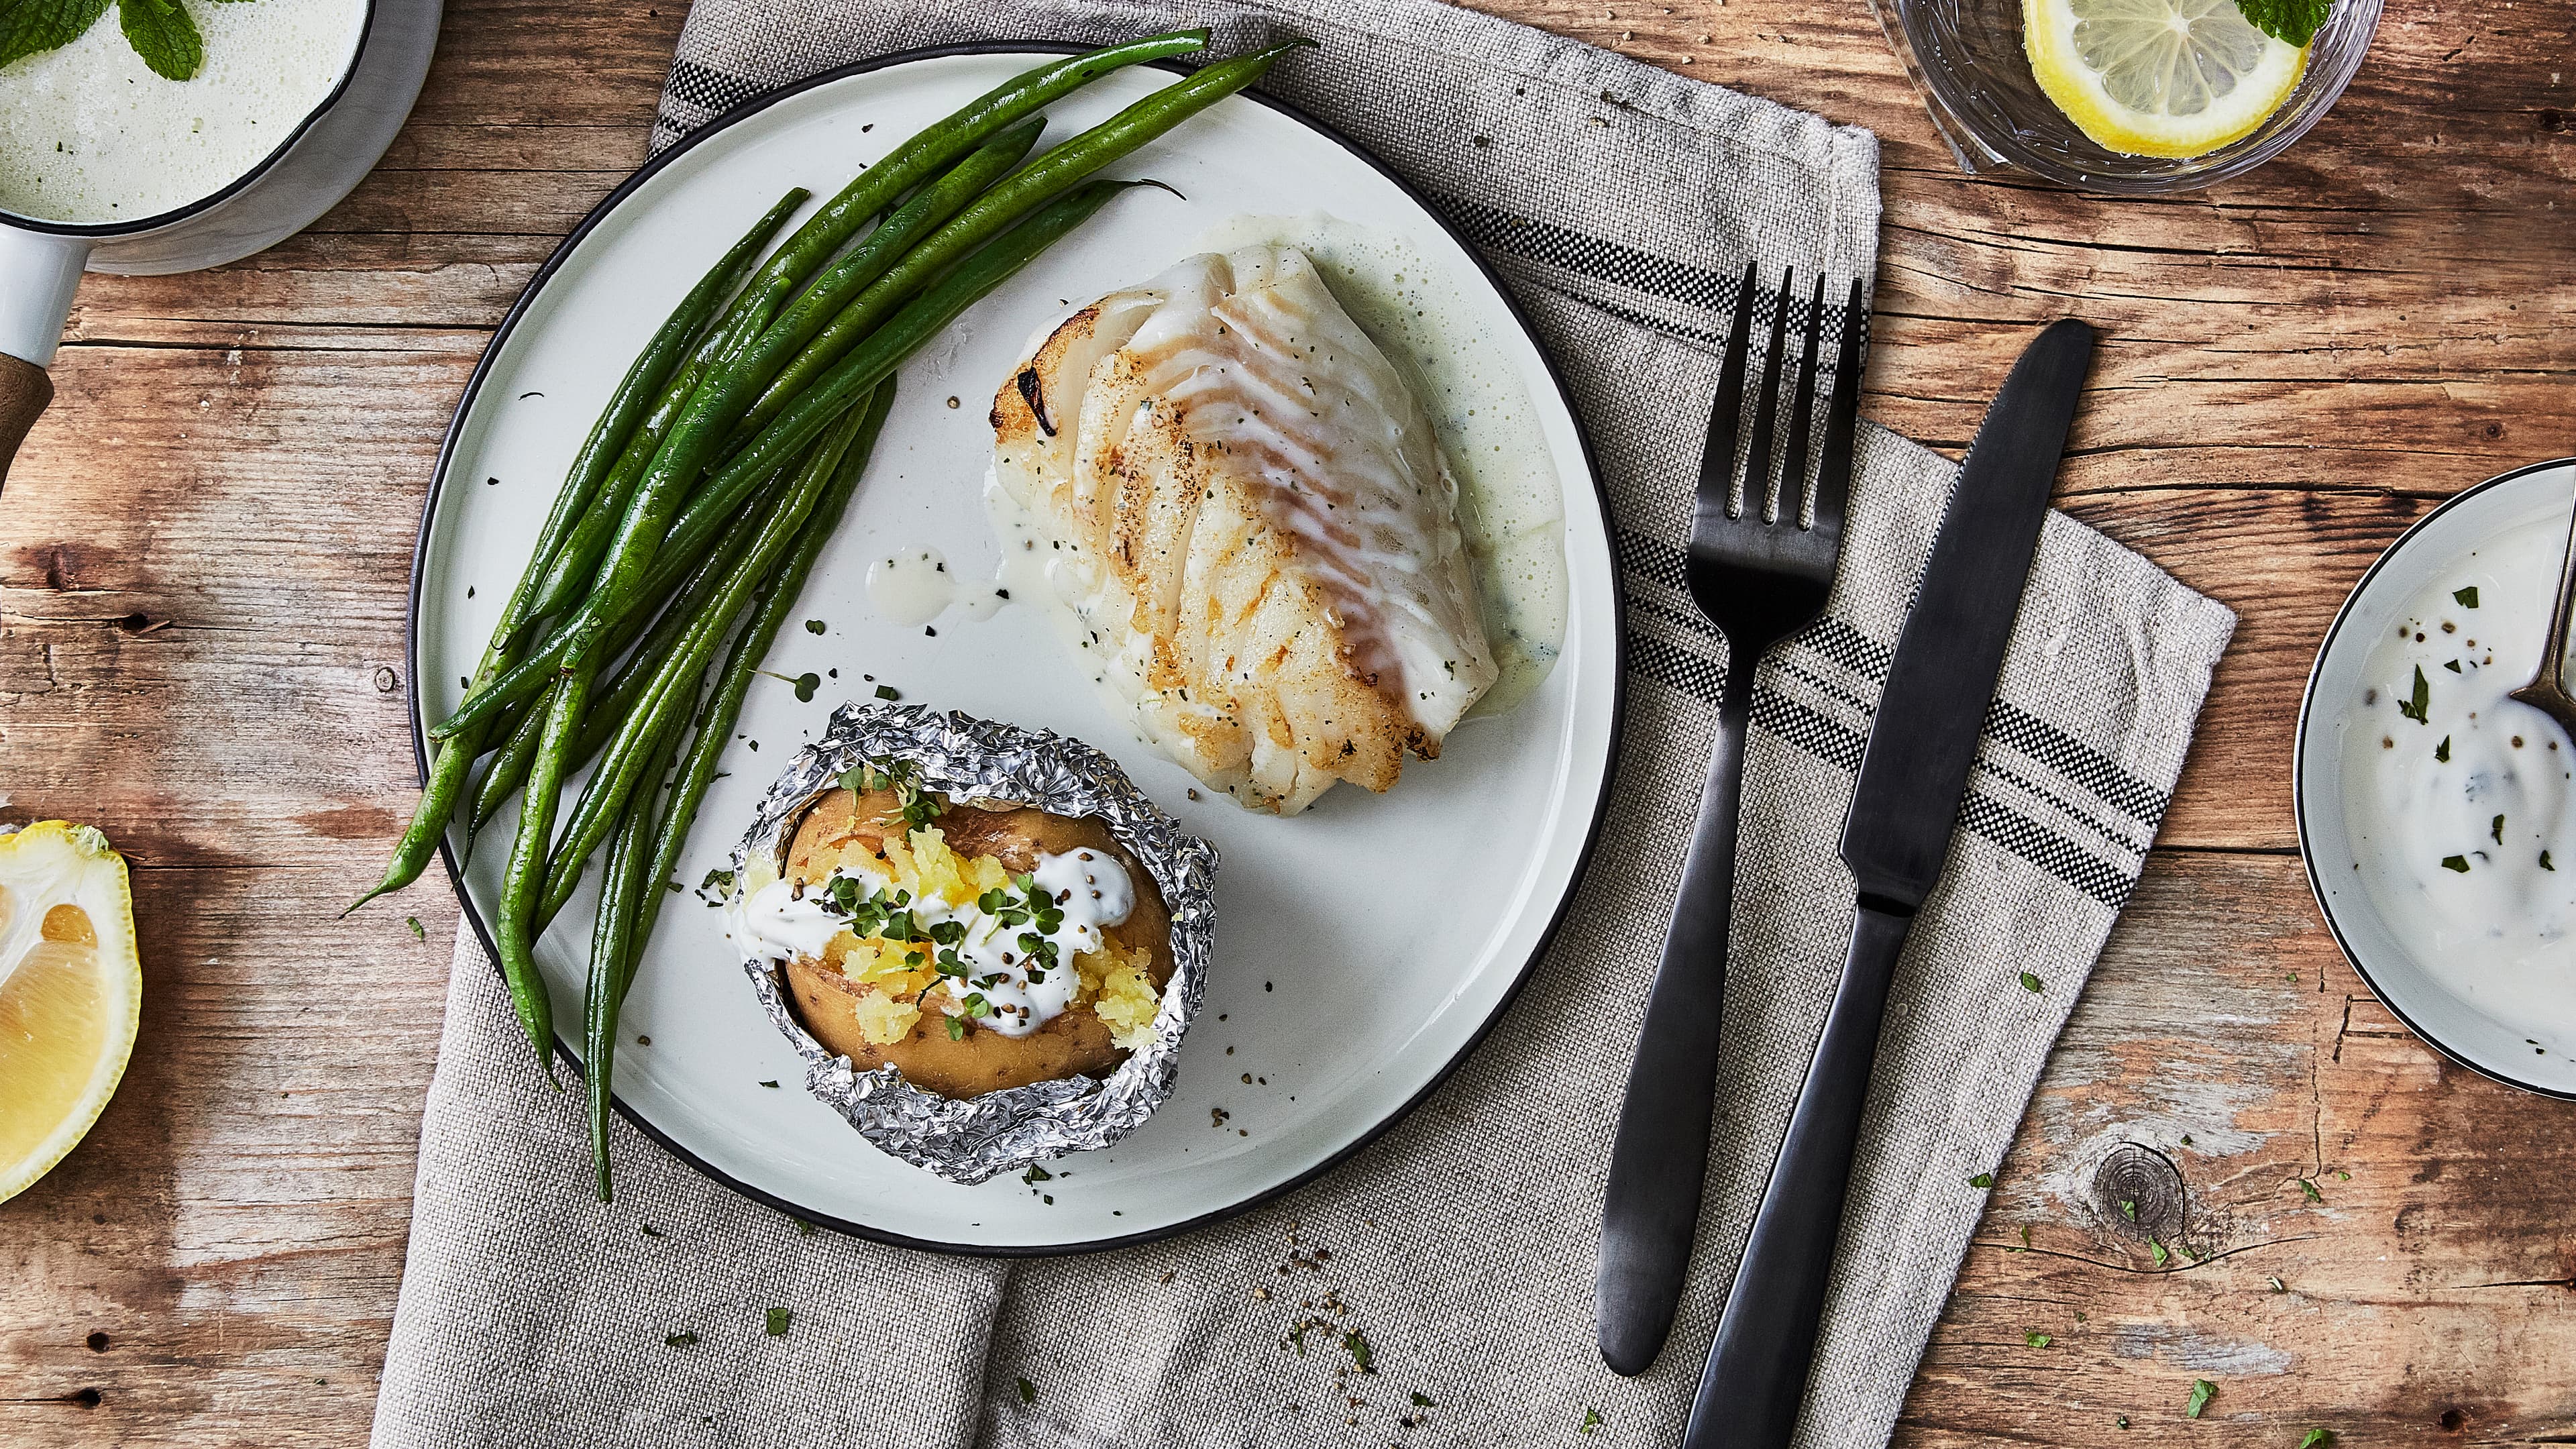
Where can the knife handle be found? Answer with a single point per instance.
(1650, 1209)
(1756, 1378)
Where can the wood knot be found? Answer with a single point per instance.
(2142, 1193)
(2555, 120)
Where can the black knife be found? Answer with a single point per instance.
(1903, 807)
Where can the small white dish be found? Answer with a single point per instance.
(1362, 948)
(2441, 1001)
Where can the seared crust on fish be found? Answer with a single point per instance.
(1256, 525)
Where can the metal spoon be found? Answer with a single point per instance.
(2547, 690)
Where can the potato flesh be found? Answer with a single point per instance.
(840, 1011)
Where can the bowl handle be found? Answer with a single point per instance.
(38, 273)
(24, 391)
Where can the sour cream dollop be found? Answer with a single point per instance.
(993, 965)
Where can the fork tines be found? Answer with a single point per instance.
(1764, 461)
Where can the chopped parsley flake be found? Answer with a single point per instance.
(1591, 1420)
(1982, 1179)
(1360, 1354)
(2029, 982)
(780, 1320)
(1028, 1391)
(2420, 707)
(2161, 1255)
(2468, 599)
(2497, 830)
(2202, 1391)
(2310, 1189)
(2442, 751)
(771, 1085)
(682, 1339)
(2544, 862)
(2037, 1339)
(2324, 1438)
(1422, 1400)
(2459, 863)
(418, 934)
(813, 626)
(888, 692)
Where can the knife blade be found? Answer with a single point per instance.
(1904, 804)
(1952, 646)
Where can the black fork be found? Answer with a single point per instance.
(1760, 573)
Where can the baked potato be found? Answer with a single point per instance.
(901, 995)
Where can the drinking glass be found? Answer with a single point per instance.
(1966, 60)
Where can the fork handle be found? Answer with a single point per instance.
(1650, 1209)
(1756, 1379)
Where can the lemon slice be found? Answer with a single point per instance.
(2158, 77)
(71, 991)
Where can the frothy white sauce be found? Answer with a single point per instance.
(1511, 505)
(88, 134)
(1003, 987)
(2460, 818)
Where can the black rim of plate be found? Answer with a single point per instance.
(1556, 917)
(117, 230)
(2299, 775)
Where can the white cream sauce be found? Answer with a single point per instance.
(1004, 986)
(910, 585)
(2461, 818)
(89, 134)
(1511, 505)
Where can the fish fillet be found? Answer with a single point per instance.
(1256, 527)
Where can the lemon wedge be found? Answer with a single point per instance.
(71, 992)
(2158, 77)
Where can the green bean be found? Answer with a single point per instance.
(568, 566)
(674, 692)
(776, 604)
(525, 872)
(725, 402)
(612, 941)
(451, 767)
(943, 141)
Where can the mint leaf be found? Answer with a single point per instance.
(161, 32)
(2295, 21)
(29, 26)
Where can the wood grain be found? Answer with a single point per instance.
(204, 552)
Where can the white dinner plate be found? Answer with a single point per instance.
(2472, 1033)
(1362, 948)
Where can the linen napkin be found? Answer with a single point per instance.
(1437, 1288)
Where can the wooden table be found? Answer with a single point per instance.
(205, 547)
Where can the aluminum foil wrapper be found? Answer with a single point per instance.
(969, 759)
